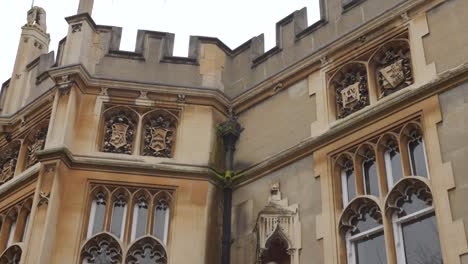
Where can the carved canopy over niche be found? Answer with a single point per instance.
(36, 141)
(8, 159)
(159, 133)
(119, 130)
(392, 63)
(351, 89)
(278, 231)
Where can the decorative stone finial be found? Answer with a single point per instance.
(37, 18)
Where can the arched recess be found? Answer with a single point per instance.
(159, 133)
(119, 130)
(388, 149)
(103, 248)
(147, 250)
(120, 199)
(35, 141)
(161, 215)
(391, 66)
(349, 89)
(413, 148)
(8, 160)
(11, 255)
(367, 169)
(345, 178)
(277, 249)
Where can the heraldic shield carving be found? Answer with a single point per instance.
(352, 92)
(36, 142)
(393, 66)
(119, 131)
(159, 129)
(8, 160)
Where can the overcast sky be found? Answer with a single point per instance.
(234, 22)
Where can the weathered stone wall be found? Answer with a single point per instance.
(447, 43)
(275, 125)
(298, 184)
(453, 135)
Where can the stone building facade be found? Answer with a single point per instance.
(345, 143)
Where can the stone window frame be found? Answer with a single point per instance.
(139, 140)
(401, 134)
(126, 243)
(35, 135)
(12, 238)
(372, 88)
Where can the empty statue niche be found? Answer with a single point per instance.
(277, 251)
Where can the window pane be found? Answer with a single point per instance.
(364, 224)
(161, 217)
(395, 165)
(411, 205)
(11, 233)
(421, 241)
(99, 213)
(370, 178)
(371, 250)
(118, 216)
(417, 155)
(141, 219)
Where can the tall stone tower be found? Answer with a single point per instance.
(34, 42)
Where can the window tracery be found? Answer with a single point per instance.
(14, 223)
(384, 173)
(146, 250)
(101, 249)
(8, 161)
(135, 214)
(12, 255)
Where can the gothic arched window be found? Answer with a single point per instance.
(348, 180)
(146, 250)
(119, 213)
(101, 249)
(392, 158)
(417, 153)
(98, 213)
(161, 217)
(140, 217)
(361, 225)
(369, 172)
(413, 217)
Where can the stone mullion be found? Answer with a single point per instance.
(381, 172)
(129, 219)
(358, 175)
(405, 158)
(138, 137)
(389, 238)
(151, 205)
(4, 233)
(20, 225)
(108, 214)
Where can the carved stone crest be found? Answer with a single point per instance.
(160, 130)
(8, 160)
(37, 142)
(393, 69)
(351, 89)
(118, 133)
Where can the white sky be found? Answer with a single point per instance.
(233, 22)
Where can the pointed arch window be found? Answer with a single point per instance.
(140, 218)
(11, 231)
(146, 250)
(361, 224)
(392, 158)
(348, 181)
(119, 213)
(417, 153)
(102, 249)
(12, 255)
(161, 220)
(371, 178)
(97, 214)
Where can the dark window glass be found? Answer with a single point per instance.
(348, 172)
(421, 241)
(417, 155)
(99, 213)
(371, 249)
(118, 215)
(371, 180)
(142, 218)
(411, 205)
(395, 164)
(160, 220)
(366, 222)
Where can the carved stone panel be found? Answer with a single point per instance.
(147, 250)
(393, 67)
(119, 131)
(8, 160)
(159, 134)
(102, 249)
(351, 89)
(36, 142)
(11, 256)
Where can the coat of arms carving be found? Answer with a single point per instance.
(119, 132)
(159, 134)
(393, 69)
(37, 143)
(8, 160)
(351, 90)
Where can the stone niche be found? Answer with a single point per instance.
(278, 230)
